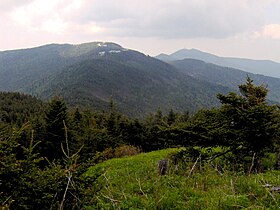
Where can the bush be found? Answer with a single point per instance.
(121, 151)
(126, 150)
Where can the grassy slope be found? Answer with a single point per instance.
(133, 183)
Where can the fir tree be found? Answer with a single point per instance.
(55, 132)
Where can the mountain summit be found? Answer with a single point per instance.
(264, 67)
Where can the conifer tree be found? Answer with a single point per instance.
(55, 132)
(252, 123)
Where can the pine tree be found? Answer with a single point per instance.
(171, 117)
(252, 124)
(55, 133)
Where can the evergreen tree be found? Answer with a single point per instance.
(252, 125)
(55, 130)
(171, 117)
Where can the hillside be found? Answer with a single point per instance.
(21, 68)
(16, 108)
(134, 182)
(91, 74)
(137, 83)
(264, 67)
(225, 76)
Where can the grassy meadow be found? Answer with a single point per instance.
(134, 183)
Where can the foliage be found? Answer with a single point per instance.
(126, 150)
(55, 116)
(253, 123)
(25, 184)
(17, 109)
(245, 125)
(121, 151)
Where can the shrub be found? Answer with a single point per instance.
(126, 150)
(121, 151)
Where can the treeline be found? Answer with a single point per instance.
(43, 160)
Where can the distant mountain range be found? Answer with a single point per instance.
(225, 76)
(91, 74)
(264, 67)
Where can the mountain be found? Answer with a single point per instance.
(264, 67)
(21, 68)
(226, 76)
(137, 83)
(92, 74)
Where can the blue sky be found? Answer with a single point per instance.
(237, 28)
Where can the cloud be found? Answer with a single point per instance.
(271, 31)
(28, 21)
(145, 18)
(45, 16)
(172, 18)
(7, 5)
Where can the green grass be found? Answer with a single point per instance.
(134, 183)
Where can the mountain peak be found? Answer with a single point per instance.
(90, 47)
(190, 53)
(98, 44)
(187, 53)
(264, 67)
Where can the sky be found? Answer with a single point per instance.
(234, 28)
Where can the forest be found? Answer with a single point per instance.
(46, 149)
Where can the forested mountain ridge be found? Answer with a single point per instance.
(137, 83)
(226, 76)
(21, 68)
(92, 74)
(265, 67)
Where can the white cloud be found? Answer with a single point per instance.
(145, 18)
(7, 5)
(172, 18)
(269, 31)
(54, 25)
(45, 16)
(272, 31)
